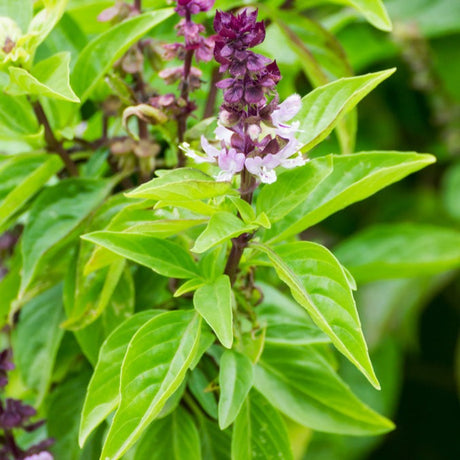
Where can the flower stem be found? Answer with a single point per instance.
(240, 243)
(182, 119)
(212, 96)
(12, 446)
(52, 143)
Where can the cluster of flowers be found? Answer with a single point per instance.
(196, 46)
(15, 415)
(252, 132)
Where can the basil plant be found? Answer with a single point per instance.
(162, 295)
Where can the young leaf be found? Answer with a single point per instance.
(43, 22)
(49, 78)
(162, 256)
(325, 106)
(354, 177)
(286, 322)
(98, 56)
(37, 338)
(399, 251)
(182, 184)
(235, 381)
(222, 226)
(302, 384)
(292, 188)
(55, 213)
(259, 431)
(189, 286)
(174, 437)
(102, 395)
(29, 184)
(317, 282)
(154, 366)
(213, 302)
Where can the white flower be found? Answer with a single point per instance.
(40, 456)
(230, 163)
(263, 168)
(287, 110)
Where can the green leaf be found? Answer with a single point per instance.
(189, 286)
(292, 188)
(127, 214)
(199, 385)
(400, 251)
(174, 437)
(215, 444)
(16, 118)
(373, 10)
(322, 59)
(213, 302)
(286, 322)
(43, 168)
(182, 184)
(259, 431)
(222, 227)
(49, 78)
(64, 404)
(36, 340)
(99, 55)
(55, 213)
(318, 282)
(302, 384)
(235, 380)
(163, 228)
(92, 337)
(207, 338)
(94, 295)
(155, 364)
(43, 22)
(245, 210)
(102, 396)
(162, 256)
(354, 177)
(323, 107)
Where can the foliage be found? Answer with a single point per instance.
(168, 287)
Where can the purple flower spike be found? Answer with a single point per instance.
(188, 7)
(252, 128)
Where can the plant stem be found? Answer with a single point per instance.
(12, 446)
(211, 101)
(138, 5)
(52, 143)
(184, 94)
(240, 243)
